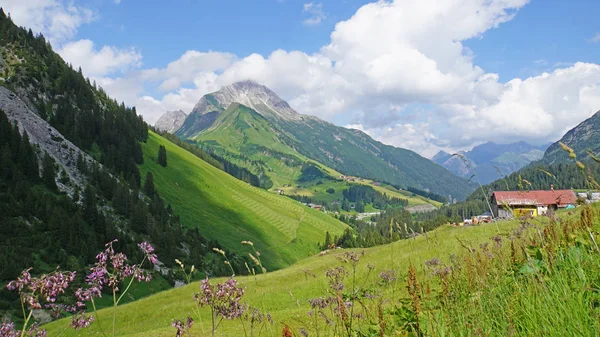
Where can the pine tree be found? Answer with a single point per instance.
(49, 173)
(149, 188)
(162, 156)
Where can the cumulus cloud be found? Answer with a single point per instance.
(397, 70)
(315, 10)
(100, 62)
(57, 20)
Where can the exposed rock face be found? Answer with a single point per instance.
(251, 94)
(171, 121)
(47, 138)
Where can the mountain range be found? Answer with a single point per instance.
(490, 161)
(248, 119)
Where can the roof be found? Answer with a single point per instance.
(561, 198)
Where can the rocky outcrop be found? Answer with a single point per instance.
(47, 139)
(171, 121)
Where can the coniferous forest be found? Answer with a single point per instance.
(41, 227)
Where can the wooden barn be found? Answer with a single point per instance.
(508, 204)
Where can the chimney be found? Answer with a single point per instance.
(552, 187)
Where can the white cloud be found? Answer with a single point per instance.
(315, 10)
(97, 63)
(595, 39)
(58, 20)
(397, 70)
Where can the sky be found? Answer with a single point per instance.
(426, 75)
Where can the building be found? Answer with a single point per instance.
(506, 204)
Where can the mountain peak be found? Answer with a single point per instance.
(170, 121)
(251, 94)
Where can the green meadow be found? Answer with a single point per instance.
(230, 211)
(285, 293)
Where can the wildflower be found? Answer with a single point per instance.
(7, 328)
(148, 250)
(224, 300)
(336, 277)
(319, 302)
(182, 327)
(432, 262)
(248, 243)
(34, 291)
(388, 276)
(80, 320)
(303, 332)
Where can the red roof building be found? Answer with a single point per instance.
(508, 204)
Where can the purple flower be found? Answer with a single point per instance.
(80, 320)
(148, 250)
(223, 298)
(388, 276)
(46, 288)
(182, 327)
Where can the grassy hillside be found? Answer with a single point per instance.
(522, 278)
(230, 210)
(240, 132)
(285, 293)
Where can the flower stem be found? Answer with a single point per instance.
(130, 281)
(26, 322)
(97, 318)
(115, 310)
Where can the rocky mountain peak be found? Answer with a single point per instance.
(251, 94)
(171, 121)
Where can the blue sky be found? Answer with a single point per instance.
(420, 74)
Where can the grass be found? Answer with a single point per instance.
(229, 210)
(285, 293)
(533, 278)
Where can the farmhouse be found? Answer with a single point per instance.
(506, 204)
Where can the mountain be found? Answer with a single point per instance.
(79, 169)
(170, 121)
(582, 138)
(490, 161)
(260, 126)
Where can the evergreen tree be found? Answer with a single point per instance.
(162, 156)
(149, 188)
(49, 173)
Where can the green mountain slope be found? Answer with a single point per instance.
(240, 132)
(230, 210)
(583, 137)
(284, 131)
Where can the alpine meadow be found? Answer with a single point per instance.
(299, 169)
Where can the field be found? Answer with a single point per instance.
(230, 211)
(285, 293)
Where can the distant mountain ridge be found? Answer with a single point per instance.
(286, 131)
(490, 161)
(583, 137)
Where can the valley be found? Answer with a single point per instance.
(280, 184)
